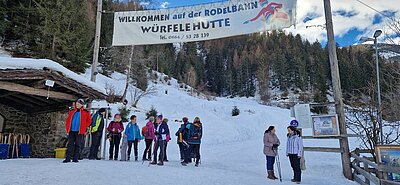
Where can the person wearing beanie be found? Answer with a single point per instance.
(161, 139)
(148, 133)
(182, 139)
(96, 129)
(115, 129)
(77, 122)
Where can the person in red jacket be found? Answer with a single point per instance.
(77, 122)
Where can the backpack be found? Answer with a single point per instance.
(145, 131)
(197, 132)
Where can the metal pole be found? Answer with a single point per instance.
(344, 143)
(379, 92)
(96, 41)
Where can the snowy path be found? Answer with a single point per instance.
(229, 164)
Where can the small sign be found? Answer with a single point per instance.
(49, 83)
(325, 125)
(390, 156)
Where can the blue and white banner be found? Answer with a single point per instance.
(202, 22)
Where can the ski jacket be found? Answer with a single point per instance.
(182, 133)
(117, 126)
(150, 129)
(269, 140)
(132, 132)
(97, 123)
(162, 131)
(294, 145)
(84, 120)
(195, 132)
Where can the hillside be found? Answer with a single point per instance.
(231, 147)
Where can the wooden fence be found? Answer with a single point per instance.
(366, 172)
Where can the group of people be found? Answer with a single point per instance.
(294, 150)
(155, 133)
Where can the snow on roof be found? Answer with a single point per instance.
(29, 63)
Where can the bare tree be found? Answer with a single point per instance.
(361, 118)
(137, 94)
(392, 31)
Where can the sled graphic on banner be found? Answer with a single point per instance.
(202, 22)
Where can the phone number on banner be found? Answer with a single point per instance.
(185, 36)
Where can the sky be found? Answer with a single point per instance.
(351, 19)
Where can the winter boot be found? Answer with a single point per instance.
(273, 174)
(293, 180)
(67, 161)
(153, 162)
(160, 163)
(270, 175)
(136, 158)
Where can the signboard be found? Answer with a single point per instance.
(390, 156)
(303, 115)
(325, 125)
(202, 22)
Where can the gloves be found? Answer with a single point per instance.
(275, 146)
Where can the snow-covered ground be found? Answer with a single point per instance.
(231, 147)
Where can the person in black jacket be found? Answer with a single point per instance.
(182, 139)
(96, 128)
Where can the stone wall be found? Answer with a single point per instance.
(15, 120)
(46, 130)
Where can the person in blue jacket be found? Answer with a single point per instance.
(194, 139)
(132, 132)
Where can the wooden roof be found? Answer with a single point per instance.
(25, 89)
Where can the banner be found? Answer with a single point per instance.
(202, 22)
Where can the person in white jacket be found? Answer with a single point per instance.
(294, 150)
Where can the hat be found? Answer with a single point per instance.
(165, 120)
(116, 115)
(102, 110)
(160, 117)
(151, 118)
(185, 119)
(81, 101)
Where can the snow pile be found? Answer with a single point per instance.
(388, 54)
(28, 63)
(4, 53)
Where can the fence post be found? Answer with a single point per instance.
(366, 168)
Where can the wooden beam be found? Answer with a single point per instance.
(31, 100)
(8, 94)
(323, 149)
(22, 102)
(330, 137)
(32, 91)
(39, 84)
(367, 175)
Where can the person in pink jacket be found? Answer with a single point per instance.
(148, 133)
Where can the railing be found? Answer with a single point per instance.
(367, 172)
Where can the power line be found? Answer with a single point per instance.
(365, 4)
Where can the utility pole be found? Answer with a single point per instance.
(344, 143)
(379, 89)
(96, 41)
